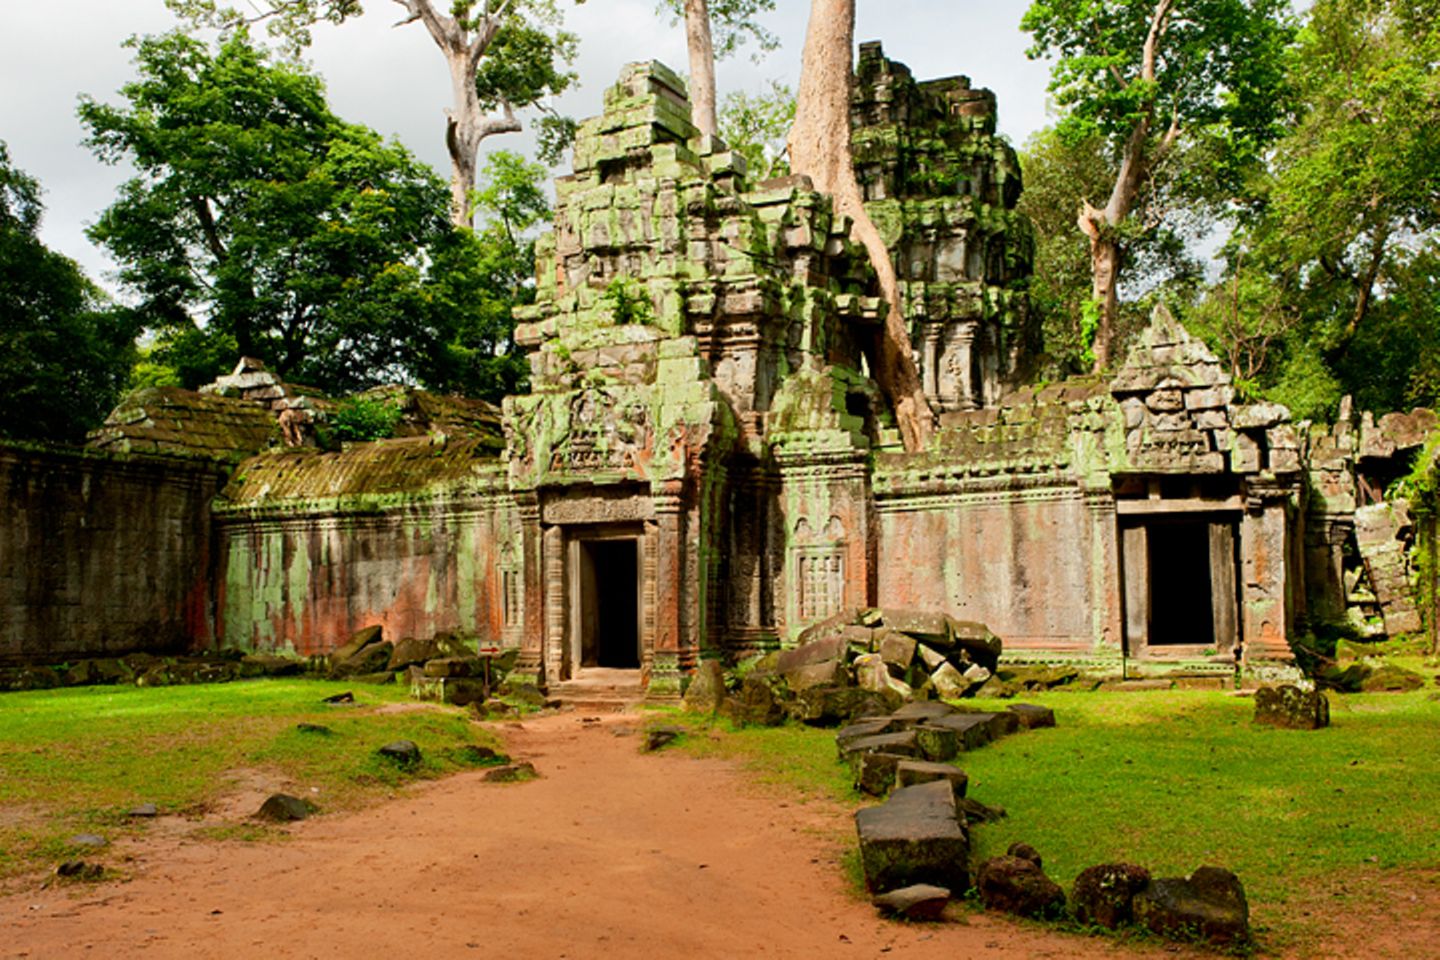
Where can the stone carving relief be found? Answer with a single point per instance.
(607, 432)
(819, 569)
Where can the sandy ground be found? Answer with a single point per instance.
(611, 853)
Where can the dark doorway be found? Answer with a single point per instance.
(1181, 606)
(614, 637)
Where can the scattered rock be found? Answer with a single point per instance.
(1032, 716)
(1289, 707)
(512, 773)
(706, 692)
(90, 840)
(758, 702)
(950, 683)
(908, 773)
(282, 808)
(1104, 895)
(658, 737)
(144, 810)
(936, 741)
(971, 730)
(973, 811)
(920, 901)
(346, 697)
(914, 837)
(358, 641)
(861, 728)
(921, 711)
(1017, 885)
(80, 870)
(875, 773)
(1025, 852)
(403, 752)
(1208, 906)
(319, 729)
(1389, 678)
(830, 705)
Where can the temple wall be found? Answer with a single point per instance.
(1020, 561)
(418, 567)
(103, 554)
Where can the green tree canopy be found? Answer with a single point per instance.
(1183, 97)
(756, 125)
(64, 352)
(259, 223)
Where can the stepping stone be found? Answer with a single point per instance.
(921, 901)
(914, 837)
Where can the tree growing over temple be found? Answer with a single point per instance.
(820, 149)
(1152, 81)
(503, 56)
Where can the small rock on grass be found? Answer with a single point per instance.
(512, 773)
(1104, 895)
(921, 901)
(346, 697)
(1016, 885)
(403, 752)
(80, 870)
(282, 808)
(144, 810)
(88, 840)
(657, 737)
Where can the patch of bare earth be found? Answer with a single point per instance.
(611, 853)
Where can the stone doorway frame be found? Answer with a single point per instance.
(580, 593)
(1225, 518)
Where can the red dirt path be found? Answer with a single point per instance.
(611, 853)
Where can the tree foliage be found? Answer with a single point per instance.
(1154, 81)
(733, 24)
(258, 223)
(755, 125)
(64, 352)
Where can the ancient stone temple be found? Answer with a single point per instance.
(702, 466)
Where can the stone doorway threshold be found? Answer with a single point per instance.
(601, 689)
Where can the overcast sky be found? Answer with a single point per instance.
(395, 81)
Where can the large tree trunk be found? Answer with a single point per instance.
(820, 149)
(466, 125)
(702, 66)
(1104, 274)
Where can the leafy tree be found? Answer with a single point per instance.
(755, 126)
(1150, 79)
(715, 29)
(503, 56)
(261, 224)
(64, 352)
(1154, 249)
(483, 280)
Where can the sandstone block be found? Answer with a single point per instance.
(1291, 708)
(1208, 906)
(914, 837)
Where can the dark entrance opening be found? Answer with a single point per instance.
(1181, 604)
(615, 634)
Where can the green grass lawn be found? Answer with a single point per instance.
(1179, 779)
(74, 761)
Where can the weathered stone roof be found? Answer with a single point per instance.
(176, 422)
(411, 466)
(423, 413)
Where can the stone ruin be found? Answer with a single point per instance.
(703, 468)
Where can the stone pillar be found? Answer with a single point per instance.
(1106, 610)
(1266, 614)
(964, 346)
(930, 364)
(532, 579)
(669, 564)
(555, 602)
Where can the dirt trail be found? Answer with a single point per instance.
(611, 853)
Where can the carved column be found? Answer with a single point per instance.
(1267, 613)
(963, 345)
(669, 591)
(532, 577)
(930, 363)
(1106, 614)
(555, 602)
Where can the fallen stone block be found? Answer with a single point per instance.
(949, 682)
(914, 837)
(875, 772)
(832, 673)
(922, 711)
(1208, 906)
(920, 902)
(862, 728)
(405, 753)
(936, 741)
(1019, 886)
(830, 649)
(1104, 895)
(896, 649)
(902, 743)
(659, 737)
(706, 691)
(283, 808)
(980, 645)
(972, 730)
(909, 773)
(359, 640)
(1290, 708)
(970, 810)
(757, 702)
(1032, 716)
(832, 705)
(462, 691)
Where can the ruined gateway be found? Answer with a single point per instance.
(703, 467)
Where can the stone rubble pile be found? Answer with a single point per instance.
(444, 668)
(915, 847)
